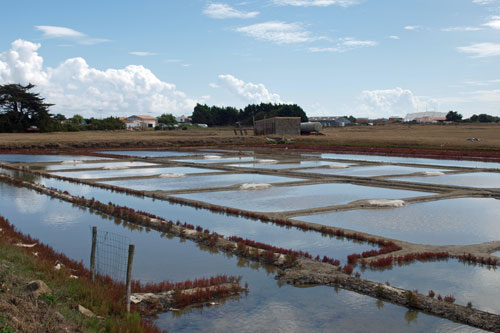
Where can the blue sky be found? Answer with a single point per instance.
(367, 58)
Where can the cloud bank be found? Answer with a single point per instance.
(75, 87)
(393, 102)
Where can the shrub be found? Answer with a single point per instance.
(348, 269)
(449, 299)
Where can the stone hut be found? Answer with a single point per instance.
(278, 126)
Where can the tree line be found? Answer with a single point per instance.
(454, 116)
(226, 116)
(22, 110)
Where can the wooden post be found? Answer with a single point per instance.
(131, 249)
(92, 254)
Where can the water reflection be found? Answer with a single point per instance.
(267, 306)
(446, 222)
(466, 282)
(278, 199)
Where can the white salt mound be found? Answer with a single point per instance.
(211, 157)
(115, 167)
(172, 175)
(338, 166)
(268, 161)
(71, 162)
(386, 203)
(254, 186)
(432, 173)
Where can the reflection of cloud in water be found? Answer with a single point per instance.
(30, 201)
(74, 162)
(61, 220)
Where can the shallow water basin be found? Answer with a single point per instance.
(370, 170)
(276, 199)
(148, 153)
(26, 158)
(445, 222)
(107, 165)
(475, 283)
(267, 305)
(413, 160)
(211, 159)
(301, 164)
(93, 174)
(168, 184)
(473, 179)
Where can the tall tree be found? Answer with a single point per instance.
(167, 119)
(453, 116)
(20, 108)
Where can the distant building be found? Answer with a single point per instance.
(393, 120)
(331, 121)
(278, 126)
(139, 121)
(183, 119)
(426, 117)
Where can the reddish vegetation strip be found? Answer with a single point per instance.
(441, 154)
(467, 257)
(407, 258)
(138, 287)
(274, 249)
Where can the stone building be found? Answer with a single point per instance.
(278, 126)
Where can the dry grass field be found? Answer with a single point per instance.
(440, 137)
(416, 136)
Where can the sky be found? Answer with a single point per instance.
(366, 58)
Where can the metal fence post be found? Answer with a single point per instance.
(131, 249)
(92, 254)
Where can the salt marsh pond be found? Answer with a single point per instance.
(431, 216)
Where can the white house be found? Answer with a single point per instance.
(139, 121)
(183, 119)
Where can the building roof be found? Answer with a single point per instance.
(145, 117)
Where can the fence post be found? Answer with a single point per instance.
(131, 249)
(92, 254)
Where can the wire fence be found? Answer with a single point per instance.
(111, 255)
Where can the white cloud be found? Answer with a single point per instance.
(142, 53)
(481, 50)
(393, 102)
(483, 2)
(50, 31)
(213, 85)
(494, 23)
(344, 45)
(75, 87)
(453, 29)
(393, 37)
(316, 3)
(251, 92)
(224, 11)
(413, 27)
(278, 32)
